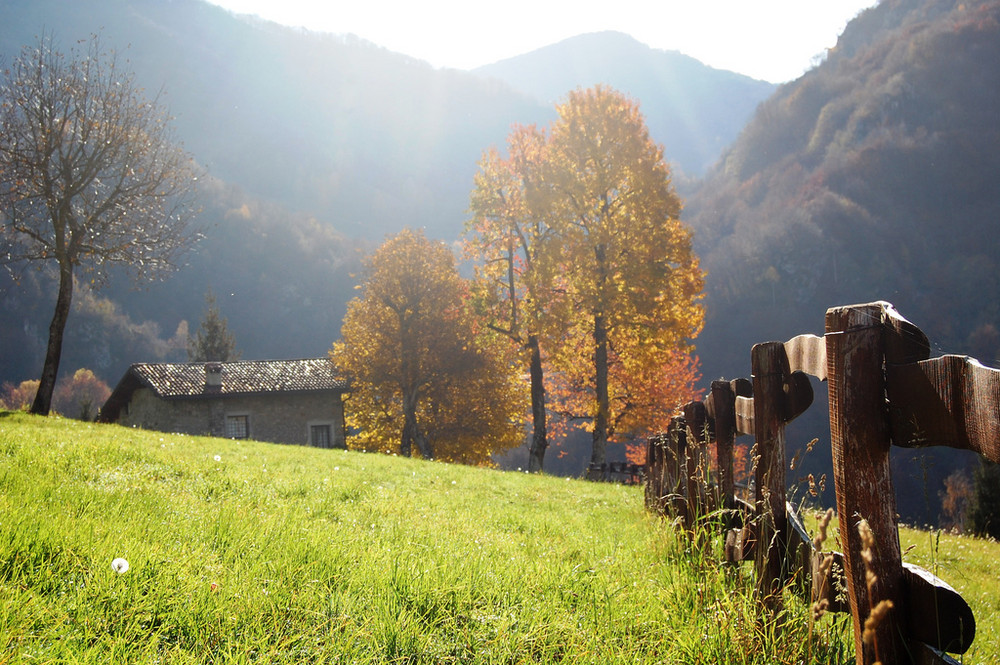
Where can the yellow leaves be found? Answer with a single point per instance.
(410, 338)
(580, 224)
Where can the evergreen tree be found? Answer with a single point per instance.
(213, 341)
(984, 511)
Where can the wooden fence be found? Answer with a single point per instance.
(883, 390)
(625, 473)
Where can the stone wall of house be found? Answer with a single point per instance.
(147, 411)
(287, 418)
(277, 417)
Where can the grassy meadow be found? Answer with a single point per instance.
(245, 552)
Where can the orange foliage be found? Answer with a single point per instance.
(644, 390)
(19, 397)
(79, 396)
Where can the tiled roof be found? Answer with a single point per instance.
(245, 377)
(241, 377)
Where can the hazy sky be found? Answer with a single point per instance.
(774, 40)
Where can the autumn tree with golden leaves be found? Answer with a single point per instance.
(508, 244)
(423, 373)
(625, 264)
(581, 257)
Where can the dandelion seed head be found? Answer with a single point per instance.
(218, 458)
(119, 565)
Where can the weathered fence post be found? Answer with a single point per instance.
(779, 396)
(676, 468)
(770, 369)
(859, 432)
(722, 409)
(696, 459)
(654, 472)
(666, 470)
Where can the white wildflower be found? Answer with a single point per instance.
(218, 458)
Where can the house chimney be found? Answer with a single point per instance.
(213, 375)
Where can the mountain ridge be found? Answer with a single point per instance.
(316, 146)
(693, 109)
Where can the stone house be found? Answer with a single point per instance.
(284, 401)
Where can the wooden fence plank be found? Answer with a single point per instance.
(744, 415)
(936, 613)
(742, 387)
(800, 547)
(926, 655)
(859, 436)
(807, 353)
(798, 395)
(948, 401)
(904, 342)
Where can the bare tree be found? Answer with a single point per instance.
(90, 177)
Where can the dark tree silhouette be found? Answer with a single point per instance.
(212, 341)
(984, 509)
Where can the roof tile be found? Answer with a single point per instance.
(240, 377)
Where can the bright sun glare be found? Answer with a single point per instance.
(774, 40)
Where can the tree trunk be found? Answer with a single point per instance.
(599, 454)
(424, 446)
(406, 442)
(409, 425)
(539, 441)
(53, 354)
(411, 430)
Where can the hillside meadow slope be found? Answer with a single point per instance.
(244, 552)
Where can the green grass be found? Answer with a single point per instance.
(244, 552)
(972, 567)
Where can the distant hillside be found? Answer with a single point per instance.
(317, 146)
(874, 176)
(365, 139)
(695, 111)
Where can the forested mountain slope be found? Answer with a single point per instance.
(874, 176)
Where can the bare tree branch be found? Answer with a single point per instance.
(91, 176)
